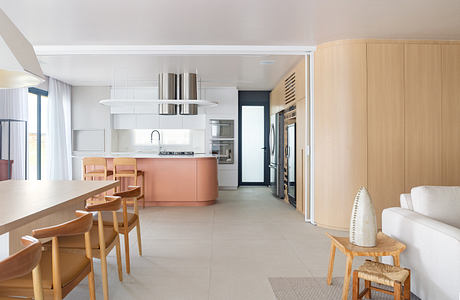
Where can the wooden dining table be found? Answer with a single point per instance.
(29, 204)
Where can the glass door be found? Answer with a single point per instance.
(254, 130)
(253, 144)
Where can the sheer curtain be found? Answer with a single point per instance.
(59, 130)
(14, 105)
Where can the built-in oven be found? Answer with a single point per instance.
(224, 150)
(222, 129)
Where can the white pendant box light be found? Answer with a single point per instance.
(363, 223)
(19, 65)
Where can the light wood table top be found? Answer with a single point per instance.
(24, 201)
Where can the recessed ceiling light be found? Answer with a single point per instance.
(267, 62)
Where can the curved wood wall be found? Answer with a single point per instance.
(386, 117)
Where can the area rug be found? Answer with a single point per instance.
(315, 288)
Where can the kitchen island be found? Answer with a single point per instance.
(172, 180)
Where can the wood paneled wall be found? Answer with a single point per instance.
(340, 131)
(386, 117)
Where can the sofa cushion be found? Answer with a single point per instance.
(441, 203)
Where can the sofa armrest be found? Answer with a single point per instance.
(432, 253)
(405, 201)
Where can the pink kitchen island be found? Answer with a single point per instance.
(177, 180)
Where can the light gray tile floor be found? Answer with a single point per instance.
(224, 251)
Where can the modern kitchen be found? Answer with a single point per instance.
(183, 128)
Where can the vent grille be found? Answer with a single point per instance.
(289, 89)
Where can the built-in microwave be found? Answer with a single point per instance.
(222, 129)
(224, 150)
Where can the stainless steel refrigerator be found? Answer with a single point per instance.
(277, 155)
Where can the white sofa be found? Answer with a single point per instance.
(428, 222)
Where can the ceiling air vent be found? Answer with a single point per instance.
(289, 89)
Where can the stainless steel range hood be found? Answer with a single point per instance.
(167, 90)
(188, 91)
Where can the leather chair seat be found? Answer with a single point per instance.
(78, 241)
(107, 218)
(72, 265)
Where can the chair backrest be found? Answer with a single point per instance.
(125, 162)
(78, 226)
(81, 225)
(22, 262)
(112, 203)
(95, 162)
(132, 194)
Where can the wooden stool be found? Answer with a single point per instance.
(129, 170)
(98, 168)
(388, 275)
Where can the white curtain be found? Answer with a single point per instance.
(59, 130)
(14, 105)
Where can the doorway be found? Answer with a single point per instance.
(253, 137)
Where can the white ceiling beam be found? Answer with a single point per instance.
(56, 50)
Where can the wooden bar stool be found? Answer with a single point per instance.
(126, 167)
(61, 270)
(103, 239)
(383, 274)
(23, 263)
(94, 168)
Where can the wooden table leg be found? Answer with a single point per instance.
(396, 260)
(377, 259)
(346, 280)
(331, 264)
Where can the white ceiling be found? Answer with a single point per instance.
(244, 72)
(218, 22)
(230, 22)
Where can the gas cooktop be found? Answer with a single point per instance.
(176, 153)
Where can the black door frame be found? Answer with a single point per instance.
(255, 98)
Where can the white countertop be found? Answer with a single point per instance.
(140, 155)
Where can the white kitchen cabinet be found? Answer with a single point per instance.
(124, 121)
(122, 109)
(171, 122)
(194, 122)
(148, 121)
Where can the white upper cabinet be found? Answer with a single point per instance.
(153, 121)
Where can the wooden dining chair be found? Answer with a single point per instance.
(61, 270)
(127, 221)
(103, 238)
(23, 263)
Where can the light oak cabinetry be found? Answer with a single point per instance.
(450, 114)
(340, 131)
(386, 117)
(385, 110)
(422, 114)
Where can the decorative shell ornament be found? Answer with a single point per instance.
(363, 223)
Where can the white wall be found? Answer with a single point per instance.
(89, 114)
(227, 98)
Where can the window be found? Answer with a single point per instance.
(38, 132)
(168, 137)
